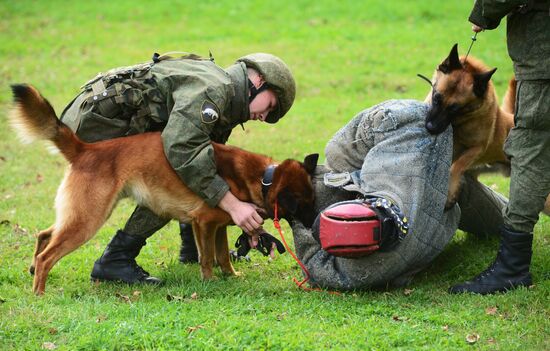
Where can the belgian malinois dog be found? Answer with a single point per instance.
(101, 173)
(463, 95)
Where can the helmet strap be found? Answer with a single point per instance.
(255, 91)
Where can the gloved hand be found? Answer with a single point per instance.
(268, 243)
(265, 243)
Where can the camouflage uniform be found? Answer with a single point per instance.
(191, 100)
(528, 145)
(393, 156)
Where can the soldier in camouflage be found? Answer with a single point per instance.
(192, 101)
(528, 144)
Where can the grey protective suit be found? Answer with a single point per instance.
(391, 155)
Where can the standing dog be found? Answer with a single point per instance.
(99, 174)
(463, 95)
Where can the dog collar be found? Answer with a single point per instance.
(267, 179)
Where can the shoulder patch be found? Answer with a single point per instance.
(209, 112)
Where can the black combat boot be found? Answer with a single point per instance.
(509, 270)
(188, 251)
(118, 262)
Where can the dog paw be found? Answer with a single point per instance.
(449, 204)
(232, 273)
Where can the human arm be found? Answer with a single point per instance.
(487, 14)
(244, 214)
(187, 145)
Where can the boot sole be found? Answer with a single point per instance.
(118, 281)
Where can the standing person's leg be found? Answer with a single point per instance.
(188, 251)
(528, 146)
(118, 262)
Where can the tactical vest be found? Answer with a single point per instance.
(131, 94)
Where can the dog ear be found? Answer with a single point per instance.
(452, 62)
(310, 163)
(481, 82)
(287, 201)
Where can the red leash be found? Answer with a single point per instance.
(300, 284)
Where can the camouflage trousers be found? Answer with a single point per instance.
(528, 146)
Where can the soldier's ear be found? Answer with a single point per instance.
(481, 82)
(452, 62)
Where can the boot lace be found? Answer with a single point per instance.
(489, 270)
(137, 268)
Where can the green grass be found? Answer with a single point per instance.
(346, 56)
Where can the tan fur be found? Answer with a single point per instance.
(509, 101)
(100, 173)
(478, 136)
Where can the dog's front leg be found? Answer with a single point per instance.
(459, 166)
(205, 233)
(222, 252)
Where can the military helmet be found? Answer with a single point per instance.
(277, 75)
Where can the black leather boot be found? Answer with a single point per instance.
(118, 262)
(509, 270)
(188, 251)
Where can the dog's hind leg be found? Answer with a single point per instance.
(63, 241)
(83, 203)
(222, 252)
(42, 240)
(69, 234)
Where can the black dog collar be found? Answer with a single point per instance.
(267, 180)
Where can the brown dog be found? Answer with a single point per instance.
(101, 173)
(463, 95)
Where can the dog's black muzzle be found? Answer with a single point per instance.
(439, 117)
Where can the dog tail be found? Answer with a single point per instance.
(34, 118)
(509, 101)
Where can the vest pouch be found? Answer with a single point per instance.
(90, 125)
(103, 101)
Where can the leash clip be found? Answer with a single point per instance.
(474, 38)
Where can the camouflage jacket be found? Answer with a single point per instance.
(528, 33)
(192, 101)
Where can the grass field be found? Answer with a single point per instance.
(346, 56)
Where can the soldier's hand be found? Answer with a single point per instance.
(476, 28)
(244, 215)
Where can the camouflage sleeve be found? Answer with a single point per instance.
(187, 143)
(488, 13)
